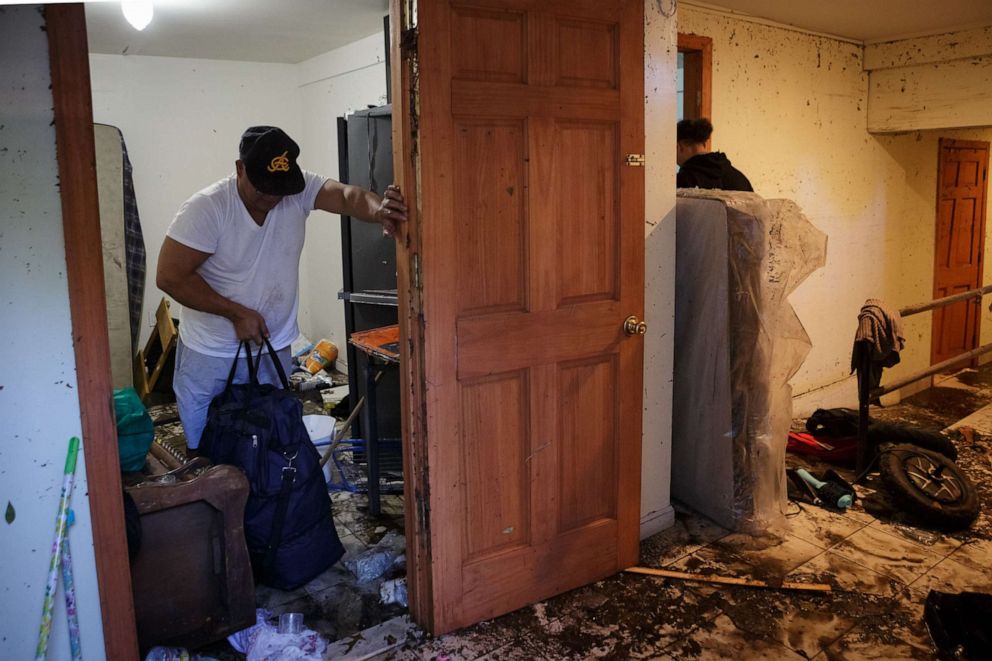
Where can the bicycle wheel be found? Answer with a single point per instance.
(929, 485)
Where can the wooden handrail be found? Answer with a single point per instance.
(933, 369)
(947, 300)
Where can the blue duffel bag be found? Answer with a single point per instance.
(259, 428)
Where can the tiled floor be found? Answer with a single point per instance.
(879, 565)
(879, 575)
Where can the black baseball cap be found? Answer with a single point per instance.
(270, 157)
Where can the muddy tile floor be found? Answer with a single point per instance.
(879, 563)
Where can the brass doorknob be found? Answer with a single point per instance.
(631, 326)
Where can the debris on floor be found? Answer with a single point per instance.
(387, 556)
(879, 564)
(290, 640)
(959, 624)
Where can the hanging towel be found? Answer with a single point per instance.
(879, 338)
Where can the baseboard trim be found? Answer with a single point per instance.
(656, 521)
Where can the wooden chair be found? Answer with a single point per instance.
(150, 361)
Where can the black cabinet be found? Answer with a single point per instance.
(365, 152)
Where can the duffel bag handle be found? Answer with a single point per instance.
(234, 364)
(275, 362)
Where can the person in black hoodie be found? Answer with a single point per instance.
(699, 167)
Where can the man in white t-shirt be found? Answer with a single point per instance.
(231, 257)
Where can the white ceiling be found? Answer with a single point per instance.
(286, 31)
(291, 31)
(866, 20)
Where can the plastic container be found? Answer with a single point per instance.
(321, 429)
(322, 356)
(291, 623)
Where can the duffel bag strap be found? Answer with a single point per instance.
(275, 362)
(234, 364)
(282, 504)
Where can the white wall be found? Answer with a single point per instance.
(39, 405)
(330, 86)
(660, 48)
(790, 110)
(182, 119)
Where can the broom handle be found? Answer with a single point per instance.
(53, 566)
(69, 588)
(339, 434)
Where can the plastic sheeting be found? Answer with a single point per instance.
(738, 341)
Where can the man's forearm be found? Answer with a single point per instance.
(192, 291)
(360, 203)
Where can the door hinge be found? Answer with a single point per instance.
(415, 268)
(422, 515)
(408, 41)
(635, 160)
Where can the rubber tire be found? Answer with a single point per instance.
(953, 515)
(890, 432)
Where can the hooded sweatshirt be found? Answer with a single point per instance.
(711, 170)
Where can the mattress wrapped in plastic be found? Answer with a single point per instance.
(738, 341)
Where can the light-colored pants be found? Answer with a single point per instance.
(199, 378)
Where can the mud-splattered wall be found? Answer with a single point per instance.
(39, 405)
(790, 110)
(940, 81)
(659, 267)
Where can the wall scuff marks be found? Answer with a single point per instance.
(794, 119)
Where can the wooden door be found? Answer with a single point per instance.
(961, 195)
(522, 258)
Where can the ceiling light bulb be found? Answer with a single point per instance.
(138, 12)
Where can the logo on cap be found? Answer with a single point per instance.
(279, 163)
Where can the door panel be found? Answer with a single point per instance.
(494, 252)
(523, 392)
(960, 240)
(588, 225)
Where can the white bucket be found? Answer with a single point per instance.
(321, 428)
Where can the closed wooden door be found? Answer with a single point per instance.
(961, 195)
(522, 259)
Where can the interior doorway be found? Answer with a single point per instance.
(959, 247)
(596, 135)
(695, 76)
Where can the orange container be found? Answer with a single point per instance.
(322, 356)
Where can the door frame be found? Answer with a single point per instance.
(73, 110)
(946, 143)
(416, 492)
(699, 50)
(69, 61)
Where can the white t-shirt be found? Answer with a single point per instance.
(256, 266)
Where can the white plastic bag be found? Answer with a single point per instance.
(263, 642)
